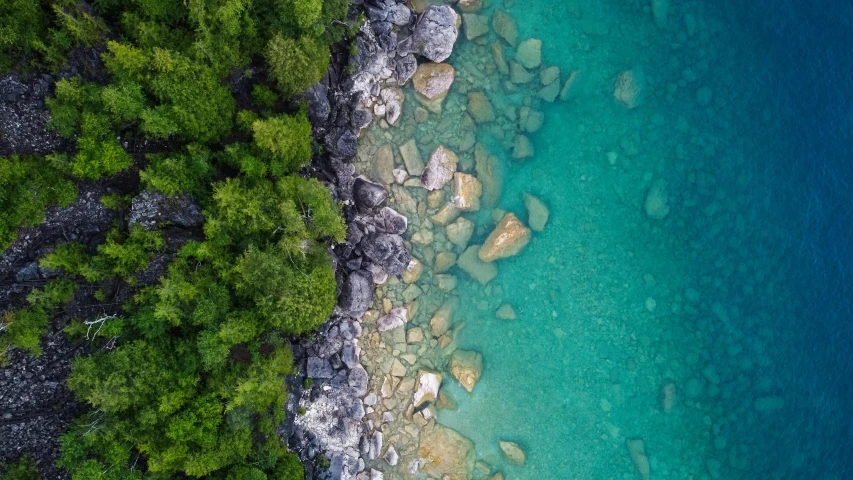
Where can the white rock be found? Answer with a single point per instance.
(397, 318)
(428, 383)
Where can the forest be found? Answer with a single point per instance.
(186, 378)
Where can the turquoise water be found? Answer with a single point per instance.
(728, 296)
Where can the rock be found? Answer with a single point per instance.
(151, 209)
(433, 80)
(668, 394)
(446, 454)
(475, 25)
(376, 442)
(389, 221)
(466, 366)
(357, 380)
(480, 107)
(537, 213)
(349, 355)
(391, 456)
(497, 476)
(368, 195)
(466, 192)
(444, 261)
(566, 91)
(513, 452)
(505, 26)
(518, 74)
(532, 120)
(549, 75)
(500, 58)
(628, 88)
(660, 10)
(412, 158)
(638, 454)
(383, 165)
(529, 53)
(459, 232)
(393, 98)
(522, 148)
(549, 93)
(377, 475)
(399, 15)
(319, 368)
(440, 169)
(446, 215)
(395, 319)
(656, 200)
(428, 383)
(507, 240)
(415, 335)
(386, 250)
(446, 283)
(406, 67)
(470, 263)
(693, 387)
(487, 168)
(342, 142)
(470, 5)
(441, 319)
(356, 293)
(506, 312)
(436, 32)
(413, 271)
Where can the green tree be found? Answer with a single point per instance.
(24, 469)
(286, 140)
(296, 64)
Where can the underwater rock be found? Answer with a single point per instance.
(660, 10)
(475, 25)
(567, 89)
(413, 271)
(518, 74)
(470, 263)
(550, 92)
(412, 158)
(466, 192)
(428, 383)
(466, 366)
(441, 319)
(513, 452)
(507, 240)
(529, 53)
(505, 26)
(440, 169)
(446, 215)
(656, 200)
(446, 453)
(638, 454)
(628, 88)
(470, 5)
(383, 165)
(549, 75)
(436, 32)
(506, 312)
(480, 107)
(486, 166)
(433, 80)
(459, 232)
(500, 58)
(444, 261)
(668, 395)
(522, 148)
(537, 213)
(395, 319)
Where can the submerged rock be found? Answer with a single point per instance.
(668, 394)
(660, 10)
(440, 169)
(433, 80)
(537, 213)
(507, 240)
(436, 32)
(459, 232)
(446, 453)
(466, 366)
(500, 58)
(628, 88)
(638, 455)
(412, 158)
(475, 25)
(549, 75)
(395, 319)
(480, 107)
(522, 148)
(470, 263)
(466, 192)
(656, 200)
(529, 53)
(513, 452)
(505, 26)
(518, 74)
(487, 166)
(506, 312)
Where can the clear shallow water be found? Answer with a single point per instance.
(758, 184)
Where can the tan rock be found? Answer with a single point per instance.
(522, 148)
(433, 80)
(628, 88)
(413, 271)
(412, 158)
(529, 53)
(549, 75)
(423, 237)
(638, 454)
(466, 366)
(475, 25)
(507, 240)
(497, 476)
(446, 453)
(444, 261)
(445, 401)
(383, 165)
(467, 191)
(480, 107)
(428, 383)
(531, 120)
(440, 169)
(487, 167)
(537, 213)
(505, 26)
(398, 369)
(415, 335)
(668, 395)
(442, 318)
(513, 452)
(470, 5)
(446, 215)
(459, 232)
(470, 263)
(445, 282)
(506, 312)
(435, 199)
(500, 58)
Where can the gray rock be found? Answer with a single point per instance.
(28, 273)
(358, 380)
(368, 195)
(397, 318)
(319, 368)
(357, 410)
(389, 221)
(391, 456)
(356, 293)
(399, 15)
(151, 209)
(349, 355)
(406, 68)
(342, 142)
(375, 445)
(386, 250)
(436, 32)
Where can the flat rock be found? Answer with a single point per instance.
(475, 25)
(549, 75)
(637, 450)
(505, 26)
(537, 213)
(518, 74)
(549, 93)
(383, 165)
(480, 107)
(466, 366)
(467, 191)
(470, 263)
(506, 312)
(412, 158)
(440, 168)
(522, 148)
(395, 319)
(427, 384)
(513, 452)
(499, 58)
(446, 453)
(529, 53)
(433, 80)
(460, 231)
(628, 88)
(436, 32)
(487, 167)
(507, 240)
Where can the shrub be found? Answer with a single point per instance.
(23, 328)
(286, 140)
(24, 469)
(296, 64)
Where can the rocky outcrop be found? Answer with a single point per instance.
(440, 168)
(151, 209)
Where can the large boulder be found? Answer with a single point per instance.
(446, 453)
(368, 195)
(507, 239)
(466, 366)
(439, 169)
(150, 209)
(356, 293)
(386, 250)
(466, 192)
(529, 53)
(427, 385)
(436, 32)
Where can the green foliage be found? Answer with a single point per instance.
(188, 172)
(27, 186)
(24, 327)
(74, 18)
(24, 469)
(296, 63)
(114, 201)
(22, 23)
(286, 140)
(263, 96)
